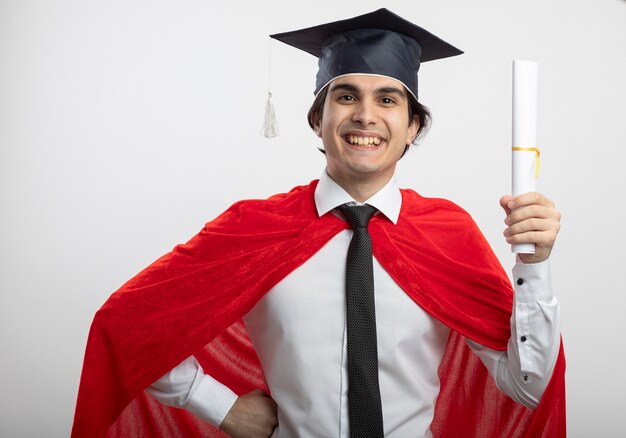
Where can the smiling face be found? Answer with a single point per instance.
(365, 128)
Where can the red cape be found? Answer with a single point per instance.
(191, 301)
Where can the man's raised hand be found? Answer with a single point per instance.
(531, 218)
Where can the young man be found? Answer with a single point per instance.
(348, 300)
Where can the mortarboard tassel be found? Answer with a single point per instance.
(270, 124)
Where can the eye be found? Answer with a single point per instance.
(387, 101)
(346, 98)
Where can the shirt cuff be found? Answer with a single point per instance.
(211, 400)
(533, 281)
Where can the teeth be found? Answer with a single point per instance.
(363, 141)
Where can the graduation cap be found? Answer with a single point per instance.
(378, 43)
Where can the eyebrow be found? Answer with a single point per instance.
(345, 87)
(383, 90)
(391, 90)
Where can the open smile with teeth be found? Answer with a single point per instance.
(363, 141)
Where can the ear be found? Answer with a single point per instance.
(317, 125)
(411, 132)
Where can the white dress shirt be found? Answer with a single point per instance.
(299, 332)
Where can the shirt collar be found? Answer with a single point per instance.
(330, 195)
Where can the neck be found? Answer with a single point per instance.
(361, 189)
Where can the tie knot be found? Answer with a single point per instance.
(358, 216)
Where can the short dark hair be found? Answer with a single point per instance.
(415, 109)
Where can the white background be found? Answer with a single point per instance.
(126, 125)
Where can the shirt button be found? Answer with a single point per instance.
(520, 281)
(523, 338)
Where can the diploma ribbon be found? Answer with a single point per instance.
(537, 154)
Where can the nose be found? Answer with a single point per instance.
(365, 113)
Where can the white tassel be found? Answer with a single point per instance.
(270, 124)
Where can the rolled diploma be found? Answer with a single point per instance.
(524, 135)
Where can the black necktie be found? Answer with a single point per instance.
(364, 405)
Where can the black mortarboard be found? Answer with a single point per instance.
(380, 43)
